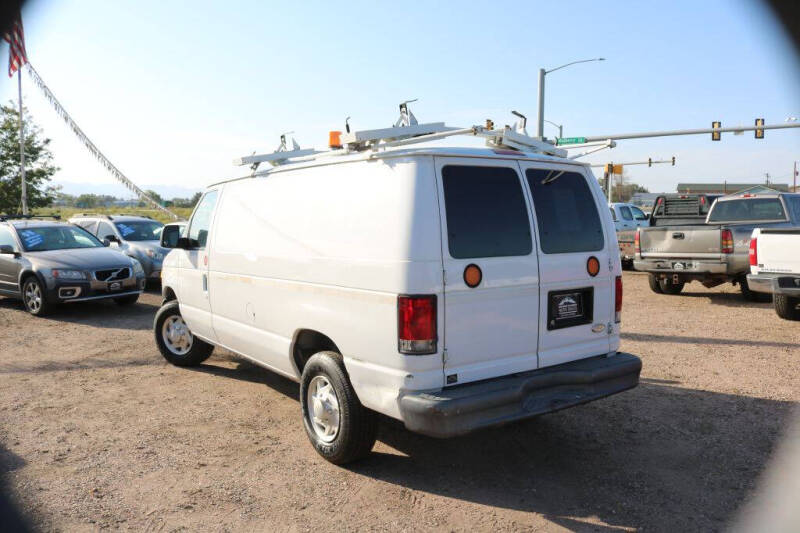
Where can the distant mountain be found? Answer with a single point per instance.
(167, 192)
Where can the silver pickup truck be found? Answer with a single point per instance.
(715, 252)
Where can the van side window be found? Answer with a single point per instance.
(486, 212)
(201, 220)
(626, 212)
(566, 212)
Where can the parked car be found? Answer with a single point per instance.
(775, 268)
(136, 236)
(450, 288)
(627, 217)
(715, 252)
(45, 263)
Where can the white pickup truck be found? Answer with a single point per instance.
(775, 268)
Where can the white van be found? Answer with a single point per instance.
(450, 288)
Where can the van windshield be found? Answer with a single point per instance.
(747, 209)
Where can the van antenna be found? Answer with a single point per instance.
(407, 118)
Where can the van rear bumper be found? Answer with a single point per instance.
(464, 408)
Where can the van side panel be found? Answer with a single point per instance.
(329, 248)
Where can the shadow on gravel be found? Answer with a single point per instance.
(247, 371)
(646, 337)
(101, 314)
(657, 457)
(728, 299)
(11, 517)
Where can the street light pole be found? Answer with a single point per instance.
(559, 126)
(542, 74)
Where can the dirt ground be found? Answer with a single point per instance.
(97, 431)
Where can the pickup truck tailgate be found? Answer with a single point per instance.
(778, 251)
(682, 241)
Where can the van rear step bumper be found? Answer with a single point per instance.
(464, 408)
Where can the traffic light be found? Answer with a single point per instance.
(759, 133)
(715, 135)
(649, 161)
(673, 160)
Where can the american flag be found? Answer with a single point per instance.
(16, 42)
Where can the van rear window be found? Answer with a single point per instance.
(486, 212)
(747, 209)
(566, 213)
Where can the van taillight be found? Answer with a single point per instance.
(416, 324)
(727, 241)
(618, 301)
(637, 247)
(753, 252)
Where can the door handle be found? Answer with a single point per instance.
(678, 235)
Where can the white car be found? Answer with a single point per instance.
(450, 288)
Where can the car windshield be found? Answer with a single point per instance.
(748, 209)
(44, 238)
(139, 230)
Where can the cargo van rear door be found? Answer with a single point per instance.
(576, 307)
(491, 291)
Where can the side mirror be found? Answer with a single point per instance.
(184, 243)
(7, 249)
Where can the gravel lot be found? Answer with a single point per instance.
(96, 431)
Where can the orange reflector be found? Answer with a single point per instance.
(335, 139)
(593, 266)
(473, 276)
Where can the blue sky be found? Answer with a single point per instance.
(173, 91)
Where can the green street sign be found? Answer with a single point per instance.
(570, 140)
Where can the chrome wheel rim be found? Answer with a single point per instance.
(33, 297)
(176, 335)
(323, 408)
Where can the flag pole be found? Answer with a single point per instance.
(22, 146)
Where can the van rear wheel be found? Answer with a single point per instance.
(175, 342)
(338, 426)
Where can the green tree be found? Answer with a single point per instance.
(39, 166)
(154, 195)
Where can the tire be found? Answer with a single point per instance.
(786, 306)
(339, 435)
(127, 300)
(35, 298)
(175, 342)
(668, 287)
(751, 296)
(655, 286)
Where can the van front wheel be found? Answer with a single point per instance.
(175, 342)
(338, 426)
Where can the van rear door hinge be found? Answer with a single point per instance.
(444, 277)
(444, 356)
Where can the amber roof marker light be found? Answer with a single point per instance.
(473, 275)
(593, 266)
